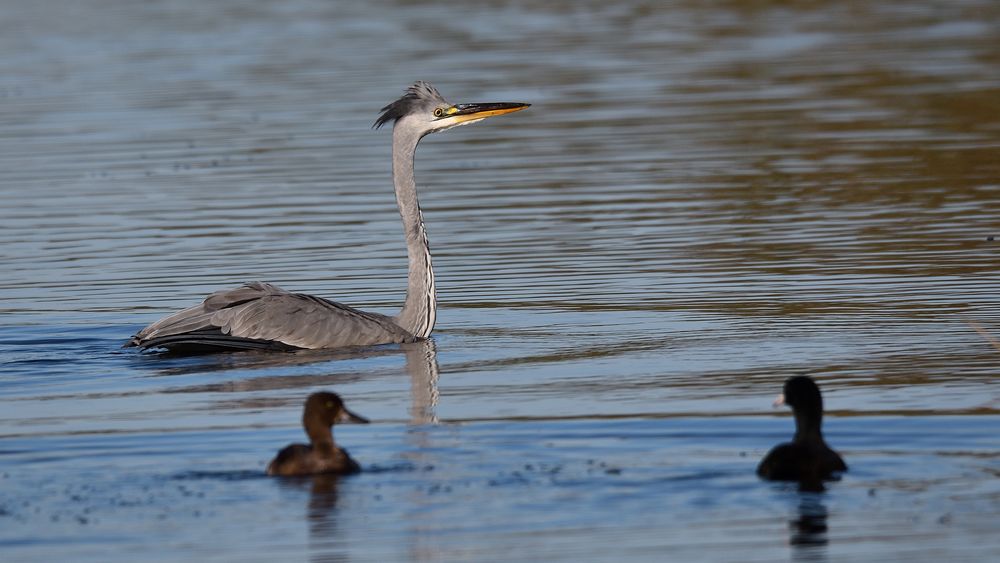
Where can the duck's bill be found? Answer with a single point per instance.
(779, 401)
(349, 417)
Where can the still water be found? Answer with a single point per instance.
(703, 200)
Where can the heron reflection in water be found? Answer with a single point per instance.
(261, 316)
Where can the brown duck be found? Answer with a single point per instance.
(322, 455)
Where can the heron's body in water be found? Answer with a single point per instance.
(261, 316)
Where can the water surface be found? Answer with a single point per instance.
(702, 201)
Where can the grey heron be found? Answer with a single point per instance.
(261, 316)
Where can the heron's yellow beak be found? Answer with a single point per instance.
(462, 114)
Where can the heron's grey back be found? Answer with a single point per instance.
(263, 312)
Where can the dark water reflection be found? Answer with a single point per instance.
(703, 200)
(321, 516)
(808, 529)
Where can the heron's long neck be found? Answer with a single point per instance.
(420, 309)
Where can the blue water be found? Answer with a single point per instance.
(592, 489)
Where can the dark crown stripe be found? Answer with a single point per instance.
(416, 97)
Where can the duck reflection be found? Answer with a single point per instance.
(321, 513)
(325, 543)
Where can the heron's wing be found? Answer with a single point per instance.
(259, 315)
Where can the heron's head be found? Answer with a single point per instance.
(424, 110)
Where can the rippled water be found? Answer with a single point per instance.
(703, 200)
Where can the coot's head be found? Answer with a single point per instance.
(801, 393)
(327, 408)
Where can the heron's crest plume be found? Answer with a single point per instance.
(420, 96)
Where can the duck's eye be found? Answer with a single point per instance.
(439, 112)
(329, 404)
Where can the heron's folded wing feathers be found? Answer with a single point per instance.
(261, 311)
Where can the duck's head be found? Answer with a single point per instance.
(327, 409)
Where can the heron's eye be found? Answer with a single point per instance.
(439, 112)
